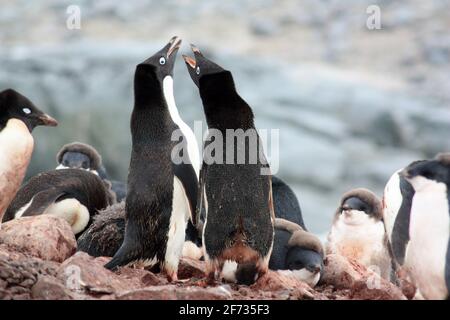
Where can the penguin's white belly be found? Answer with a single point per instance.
(392, 201)
(364, 242)
(304, 275)
(177, 227)
(16, 147)
(71, 210)
(429, 231)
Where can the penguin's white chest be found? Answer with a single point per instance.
(359, 237)
(192, 145)
(429, 231)
(392, 201)
(177, 227)
(16, 147)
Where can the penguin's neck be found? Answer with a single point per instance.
(170, 100)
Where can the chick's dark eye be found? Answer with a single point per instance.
(162, 61)
(85, 165)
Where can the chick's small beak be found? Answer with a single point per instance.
(190, 61)
(175, 44)
(48, 121)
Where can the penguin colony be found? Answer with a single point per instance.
(241, 222)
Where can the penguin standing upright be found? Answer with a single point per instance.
(358, 231)
(161, 193)
(18, 117)
(79, 155)
(237, 194)
(427, 257)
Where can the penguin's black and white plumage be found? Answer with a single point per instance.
(427, 256)
(105, 235)
(297, 252)
(397, 200)
(236, 195)
(162, 192)
(77, 155)
(285, 202)
(18, 117)
(72, 194)
(358, 231)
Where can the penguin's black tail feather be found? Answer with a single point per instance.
(246, 273)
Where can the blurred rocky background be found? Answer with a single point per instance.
(352, 104)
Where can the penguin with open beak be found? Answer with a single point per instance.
(161, 193)
(236, 196)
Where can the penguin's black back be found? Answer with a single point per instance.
(238, 195)
(84, 186)
(285, 202)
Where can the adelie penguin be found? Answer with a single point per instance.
(77, 155)
(358, 232)
(427, 256)
(105, 235)
(161, 193)
(72, 194)
(297, 251)
(18, 117)
(237, 197)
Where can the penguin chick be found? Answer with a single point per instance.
(72, 194)
(105, 235)
(79, 155)
(236, 196)
(297, 251)
(358, 231)
(18, 117)
(427, 257)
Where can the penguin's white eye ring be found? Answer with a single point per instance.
(197, 71)
(162, 61)
(26, 110)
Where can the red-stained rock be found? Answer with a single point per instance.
(44, 236)
(83, 272)
(49, 288)
(173, 292)
(362, 282)
(276, 281)
(191, 268)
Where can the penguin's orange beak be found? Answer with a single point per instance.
(175, 44)
(190, 61)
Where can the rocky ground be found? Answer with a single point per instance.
(38, 260)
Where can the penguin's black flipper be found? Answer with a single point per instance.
(186, 174)
(42, 200)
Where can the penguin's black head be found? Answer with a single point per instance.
(161, 64)
(361, 200)
(14, 105)
(437, 170)
(200, 66)
(299, 258)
